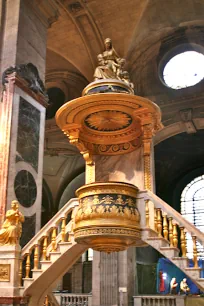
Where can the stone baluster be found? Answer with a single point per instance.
(175, 235)
(195, 254)
(63, 229)
(27, 266)
(171, 232)
(44, 252)
(36, 257)
(152, 301)
(165, 226)
(54, 236)
(183, 241)
(159, 222)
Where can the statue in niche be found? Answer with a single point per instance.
(110, 65)
(11, 230)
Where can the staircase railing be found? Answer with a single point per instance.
(158, 216)
(58, 229)
(177, 217)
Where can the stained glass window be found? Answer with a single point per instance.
(192, 209)
(184, 70)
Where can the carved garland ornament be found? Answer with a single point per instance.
(107, 230)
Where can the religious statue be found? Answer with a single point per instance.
(173, 286)
(110, 65)
(11, 230)
(184, 289)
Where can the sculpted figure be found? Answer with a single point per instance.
(11, 230)
(173, 286)
(110, 65)
(184, 289)
(126, 78)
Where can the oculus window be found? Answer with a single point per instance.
(184, 70)
(192, 209)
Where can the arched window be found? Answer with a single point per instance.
(192, 209)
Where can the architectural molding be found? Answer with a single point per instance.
(177, 128)
(46, 10)
(86, 26)
(69, 77)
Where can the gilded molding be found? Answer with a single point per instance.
(109, 124)
(107, 188)
(106, 209)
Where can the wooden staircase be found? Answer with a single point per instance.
(52, 251)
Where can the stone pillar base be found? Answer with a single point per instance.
(9, 272)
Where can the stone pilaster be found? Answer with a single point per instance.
(24, 34)
(22, 121)
(23, 40)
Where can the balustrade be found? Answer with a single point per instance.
(170, 225)
(75, 300)
(157, 300)
(45, 242)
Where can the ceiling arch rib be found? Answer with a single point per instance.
(86, 26)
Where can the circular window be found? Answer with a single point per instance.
(25, 188)
(184, 70)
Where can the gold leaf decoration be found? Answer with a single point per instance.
(114, 210)
(96, 200)
(107, 200)
(127, 213)
(119, 200)
(130, 202)
(108, 120)
(100, 210)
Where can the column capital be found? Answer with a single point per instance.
(46, 10)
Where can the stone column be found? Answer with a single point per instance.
(22, 111)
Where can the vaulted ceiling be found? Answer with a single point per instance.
(144, 32)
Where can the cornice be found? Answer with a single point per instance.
(69, 77)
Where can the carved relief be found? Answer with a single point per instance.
(75, 7)
(29, 73)
(5, 272)
(109, 205)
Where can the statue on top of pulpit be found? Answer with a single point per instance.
(11, 230)
(110, 65)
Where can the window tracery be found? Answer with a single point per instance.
(192, 209)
